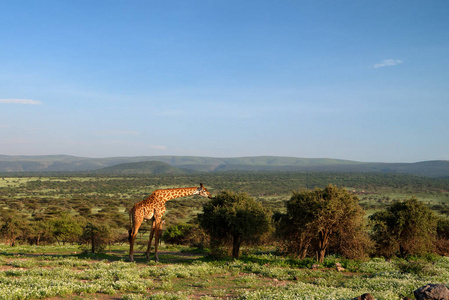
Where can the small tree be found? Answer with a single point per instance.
(442, 240)
(178, 234)
(84, 210)
(98, 236)
(321, 218)
(40, 231)
(234, 218)
(67, 229)
(404, 228)
(13, 228)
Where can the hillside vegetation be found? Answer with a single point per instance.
(140, 168)
(63, 163)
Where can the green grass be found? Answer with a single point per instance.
(62, 272)
(17, 181)
(14, 181)
(55, 272)
(271, 188)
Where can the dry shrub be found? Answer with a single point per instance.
(442, 246)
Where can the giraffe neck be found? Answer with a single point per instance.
(169, 194)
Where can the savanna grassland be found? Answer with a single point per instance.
(59, 272)
(49, 263)
(34, 194)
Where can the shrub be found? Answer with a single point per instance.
(404, 228)
(231, 218)
(180, 234)
(13, 228)
(67, 229)
(323, 220)
(442, 240)
(98, 236)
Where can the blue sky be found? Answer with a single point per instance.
(360, 80)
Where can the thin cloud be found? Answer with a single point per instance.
(387, 63)
(20, 101)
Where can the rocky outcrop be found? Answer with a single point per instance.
(427, 292)
(364, 297)
(432, 292)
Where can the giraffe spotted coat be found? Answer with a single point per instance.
(153, 208)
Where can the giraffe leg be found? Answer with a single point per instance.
(132, 237)
(157, 229)
(147, 253)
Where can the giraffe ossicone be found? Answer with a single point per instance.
(153, 208)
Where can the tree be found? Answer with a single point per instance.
(323, 217)
(84, 210)
(185, 234)
(13, 227)
(442, 240)
(40, 230)
(404, 228)
(112, 217)
(67, 228)
(178, 234)
(98, 236)
(234, 218)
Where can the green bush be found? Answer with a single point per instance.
(323, 221)
(98, 236)
(404, 228)
(178, 234)
(233, 219)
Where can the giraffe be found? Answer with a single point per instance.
(153, 207)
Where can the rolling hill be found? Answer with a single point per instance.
(184, 164)
(140, 168)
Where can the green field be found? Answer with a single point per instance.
(35, 195)
(375, 190)
(62, 272)
(59, 268)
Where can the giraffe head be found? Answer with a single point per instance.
(202, 191)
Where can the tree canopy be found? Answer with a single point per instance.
(234, 218)
(404, 228)
(320, 218)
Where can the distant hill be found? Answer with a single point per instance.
(179, 164)
(140, 168)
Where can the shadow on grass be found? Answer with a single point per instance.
(91, 256)
(166, 256)
(187, 257)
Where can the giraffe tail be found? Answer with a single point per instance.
(130, 231)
